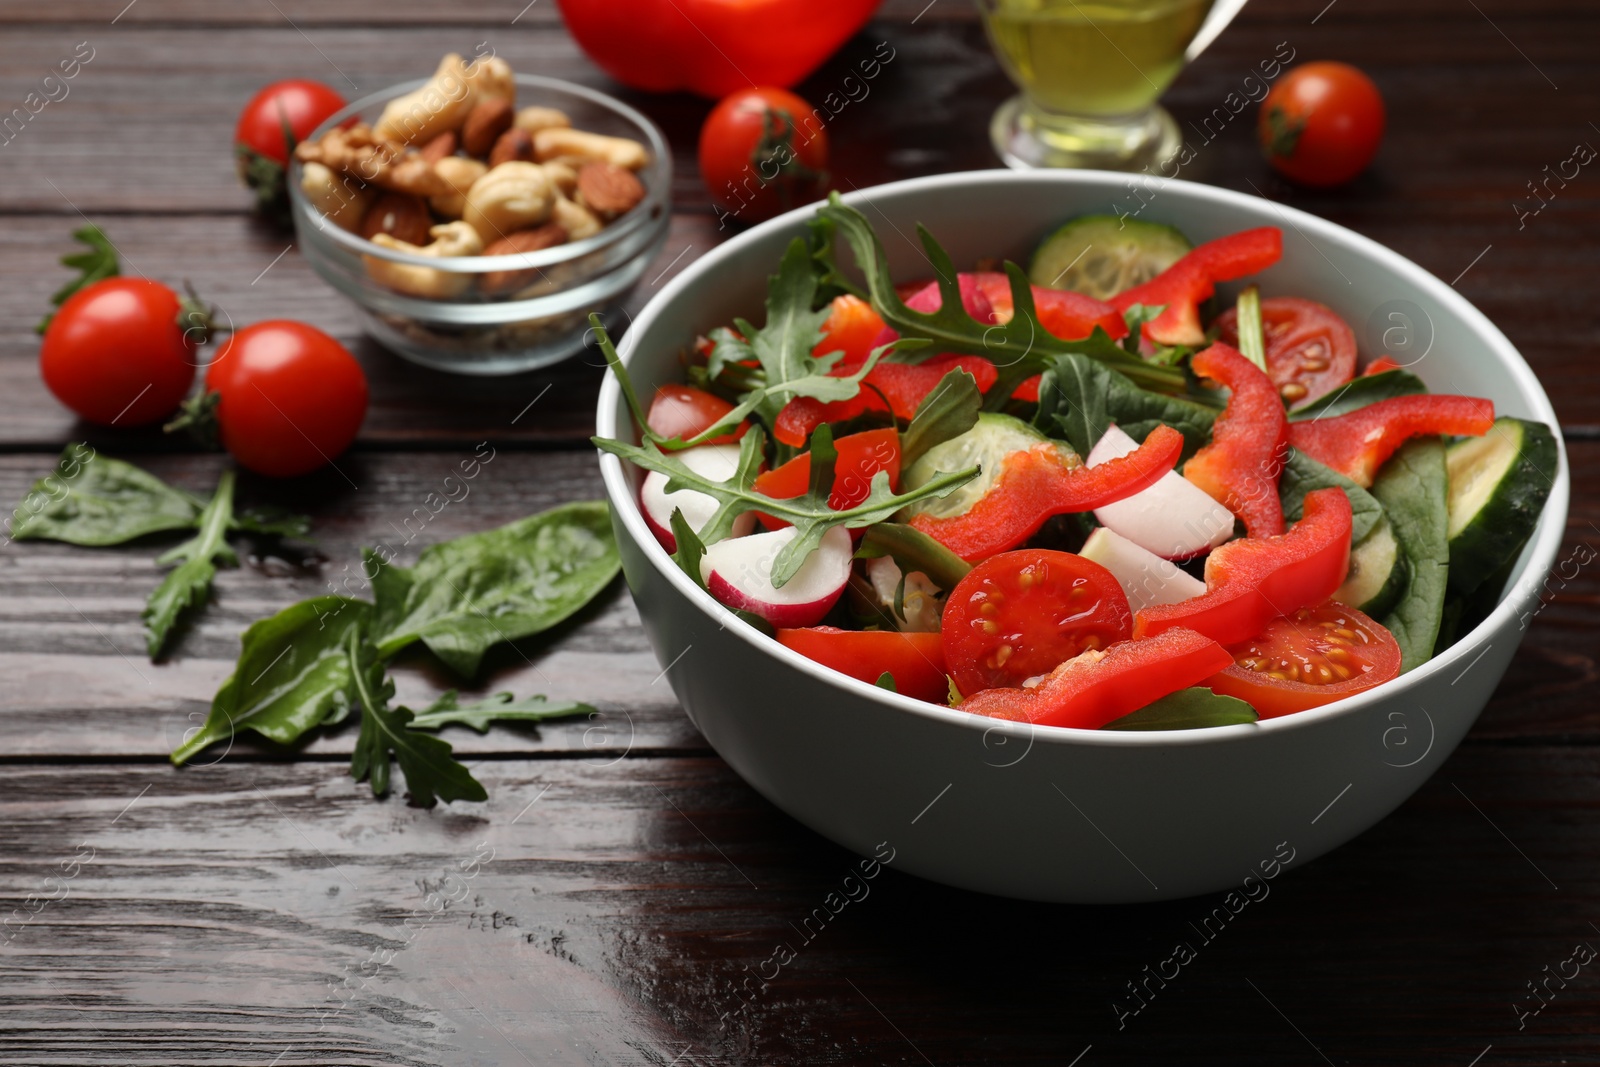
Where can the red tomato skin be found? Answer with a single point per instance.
(291, 397)
(684, 411)
(115, 353)
(1063, 313)
(914, 660)
(861, 456)
(1291, 325)
(1343, 118)
(1087, 693)
(1024, 613)
(1254, 580)
(1240, 466)
(1372, 650)
(304, 103)
(747, 187)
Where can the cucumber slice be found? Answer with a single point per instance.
(1377, 573)
(1101, 255)
(986, 445)
(1498, 485)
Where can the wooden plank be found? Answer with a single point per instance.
(82, 686)
(238, 913)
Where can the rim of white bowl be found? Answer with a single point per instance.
(1545, 542)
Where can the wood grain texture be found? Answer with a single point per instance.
(613, 914)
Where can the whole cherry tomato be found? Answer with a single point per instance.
(297, 104)
(1322, 123)
(762, 152)
(290, 398)
(116, 352)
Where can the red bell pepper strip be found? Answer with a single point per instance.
(713, 47)
(1239, 468)
(1068, 315)
(1184, 285)
(1357, 443)
(914, 660)
(861, 455)
(1381, 364)
(904, 385)
(1092, 689)
(1035, 485)
(1251, 581)
(852, 327)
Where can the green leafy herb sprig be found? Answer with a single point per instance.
(96, 264)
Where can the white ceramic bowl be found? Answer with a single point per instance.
(1048, 813)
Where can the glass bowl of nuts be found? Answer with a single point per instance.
(477, 218)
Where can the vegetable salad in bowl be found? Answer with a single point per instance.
(1084, 495)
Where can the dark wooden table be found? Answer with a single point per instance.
(253, 910)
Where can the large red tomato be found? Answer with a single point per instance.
(290, 398)
(762, 152)
(116, 353)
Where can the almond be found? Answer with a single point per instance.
(400, 215)
(441, 146)
(608, 190)
(487, 120)
(501, 282)
(513, 145)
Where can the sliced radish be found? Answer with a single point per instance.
(1174, 518)
(739, 573)
(1144, 576)
(717, 462)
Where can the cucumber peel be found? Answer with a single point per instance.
(1377, 575)
(985, 446)
(1498, 487)
(1102, 255)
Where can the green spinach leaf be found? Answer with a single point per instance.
(949, 411)
(429, 764)
(189, 583)
(1301, 474)
(1412, 487)
(293, 674)
(500, 585)
(95, 501)
(1080, 398)
(1187, 709)
(1358, 393)
(501, 707)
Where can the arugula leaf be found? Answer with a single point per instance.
(1020, 348)
(1412, 487)
(293, 674)
(271, 522)
(429, 764)
(1080, 399)
(950, 410)
(913, 551)
(809, 513)
(1188, 709)
(92, 500)
(97, 264)
(831, 282)
(1301, 474)
(501, 707)
(1358, 393)
(500, 585)
(190, 582)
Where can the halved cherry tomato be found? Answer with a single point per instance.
(914, 660)
(1035, 485)
(1357, 443)
(1321, 124)
(1313, 657)
(1095, 688)
(852, 328)
(1310, 349)
(903, 385)
(1251, 581)
(1068, 315)
(861, 455)
(683, 411)
(1240, 466)
(1192, 279)
(1381, 364)
(1020, 615)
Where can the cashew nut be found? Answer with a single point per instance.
(343, 201)
(511, 197)
(458, 173)
(533, 119)
(490, 76)
(441, 104)
(559, 141)
(577, 220)
(563, 175)
(449, 240)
